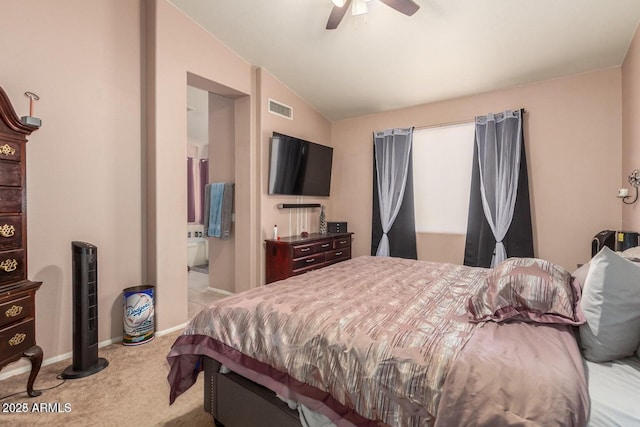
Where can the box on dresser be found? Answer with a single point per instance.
(290, 256)
(337, 226)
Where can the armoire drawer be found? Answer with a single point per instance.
(10, 200)
(10, 150)
(15, 310)
(10, 174)
(12, 266)
(10, 232)
(17, 338)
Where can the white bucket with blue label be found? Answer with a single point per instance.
(139, 312)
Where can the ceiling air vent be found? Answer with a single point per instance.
(280, 109)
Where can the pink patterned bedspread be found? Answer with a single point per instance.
(377, 336)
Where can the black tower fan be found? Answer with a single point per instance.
(85, 312)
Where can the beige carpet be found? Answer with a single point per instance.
(131, 391)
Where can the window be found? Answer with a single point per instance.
(442, 160)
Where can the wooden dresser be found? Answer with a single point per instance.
(17, 293)
(295, 255)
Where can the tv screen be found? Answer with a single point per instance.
(299, 167)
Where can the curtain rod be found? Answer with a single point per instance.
(459, 122)
(439, 125)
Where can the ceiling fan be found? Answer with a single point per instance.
(408, 7)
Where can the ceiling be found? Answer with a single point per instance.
(450, 48)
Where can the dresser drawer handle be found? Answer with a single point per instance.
(326, 245)
(305, 249)
(13, 311)
(8, 265)
(342, 242)
(7, 150)
(338, 253)
(7, 230)
(17, 339)
(310, 260)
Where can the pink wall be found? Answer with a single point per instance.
(178, 49)
(631, 128)
(222, 169)
(84, 178)
(307, 124)
(573, 140)
(107, 165)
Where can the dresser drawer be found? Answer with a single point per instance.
(303, 250)
(10, 151)
(12, 266)
(308, 261)
(341, 242)
(10, 174)
(17, 309)
(324, 246)
(17, 338)
(338, 254)
(10, 200)
(10, 232)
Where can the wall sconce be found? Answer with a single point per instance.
(634, 180)
(30, 120)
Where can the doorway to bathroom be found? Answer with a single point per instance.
(210, 160)
(197, 178)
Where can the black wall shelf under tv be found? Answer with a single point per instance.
(298, 205)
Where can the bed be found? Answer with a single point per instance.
(614, 388)
(386, 341)
(610, 338)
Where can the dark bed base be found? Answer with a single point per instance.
(235, 401)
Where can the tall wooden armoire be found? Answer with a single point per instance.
(17, 292)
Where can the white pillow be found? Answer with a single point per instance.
(632, 252)
(611, 304)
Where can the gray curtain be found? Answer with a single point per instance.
(499, 142)
(392, 149)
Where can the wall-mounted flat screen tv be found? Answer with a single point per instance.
(299, 167)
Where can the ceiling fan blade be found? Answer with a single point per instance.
(337, 13)
(408, 7)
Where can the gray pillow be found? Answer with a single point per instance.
(634, 255)
(581, 274)
(611, 304)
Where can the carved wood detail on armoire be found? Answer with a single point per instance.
(17, 292)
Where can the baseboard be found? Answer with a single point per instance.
(27, 366)
(220, 291)
(170, 330)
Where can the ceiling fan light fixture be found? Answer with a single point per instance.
(359, 7)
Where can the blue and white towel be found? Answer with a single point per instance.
(220, 206)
